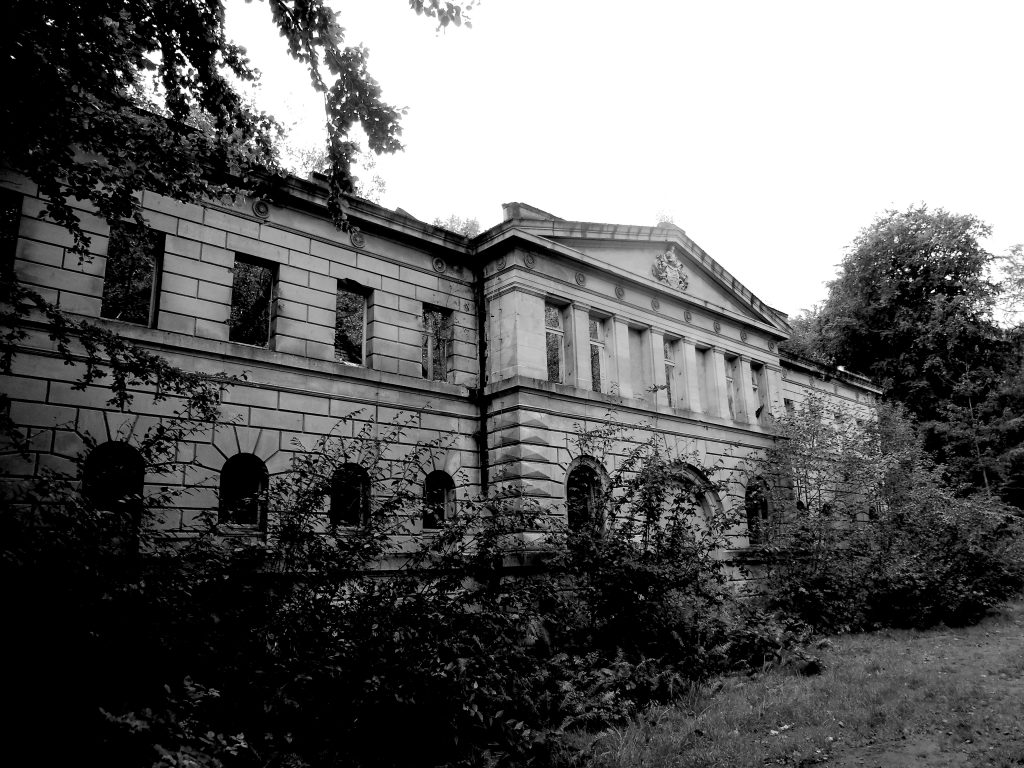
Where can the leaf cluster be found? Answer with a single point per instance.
(865, 533)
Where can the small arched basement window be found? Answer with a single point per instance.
(113, 476)
(756, 505)
(350, 495)
(244, 482)
(438, 499)
(584, 488)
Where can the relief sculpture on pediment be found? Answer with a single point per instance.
(668, 269)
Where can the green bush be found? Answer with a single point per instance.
(869, 536)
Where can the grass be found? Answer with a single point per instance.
(942, 697)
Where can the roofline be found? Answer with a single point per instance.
(586, 230)
(793, 360)
(508, 231)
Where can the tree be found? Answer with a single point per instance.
(454, 223)
(912, 307)
(863, 531)
(805, 341)
(77, 124)
(1012, 299)
(74, 123)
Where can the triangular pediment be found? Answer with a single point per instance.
(662, 257)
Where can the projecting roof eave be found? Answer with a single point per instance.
(513, 230)
(546, 234)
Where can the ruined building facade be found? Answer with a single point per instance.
(513, 342)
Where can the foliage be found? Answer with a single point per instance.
(646, 596)
(1012, 293)
(805, 340)
(87, 587)
(298, 649)
(879, 701)
(76, 125)
(454, 223)
(912, 307)
(865, 534)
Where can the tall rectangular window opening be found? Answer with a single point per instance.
(730, 384)
(131, 282)
(671, 347)
(598, 354)
(759, 387)
(252, 301)
(438, 332)
(350, 323)
(554, 342)
(10, 220)
(705, 379)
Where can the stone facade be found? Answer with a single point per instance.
(512, 342)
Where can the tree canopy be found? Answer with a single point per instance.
(912, 307)
(75, 124)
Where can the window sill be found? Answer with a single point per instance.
(232, 354)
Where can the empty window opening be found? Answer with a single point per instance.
(757, 509)
(10, 220)
(438, 499)
(438, 333)
(598, 354)
(671, 348)
(554, 340)
(113, 475)
(131, 282)
(252, 299)
(730, 385)
(350, 495)
(759, 387)
(350, 323)
(244, 482)
(583, 496)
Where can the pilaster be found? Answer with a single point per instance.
(718, 397)
(577, 347)
(657, 354)
(620, 356)
(773, 379)
(746, 404)
(691, 376)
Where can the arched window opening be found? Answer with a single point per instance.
(113, 476)
(583, 491)
(244, 482)
(758, 510)
(350, 495)
(438, 499)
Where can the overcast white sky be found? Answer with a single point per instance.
(771, 132)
